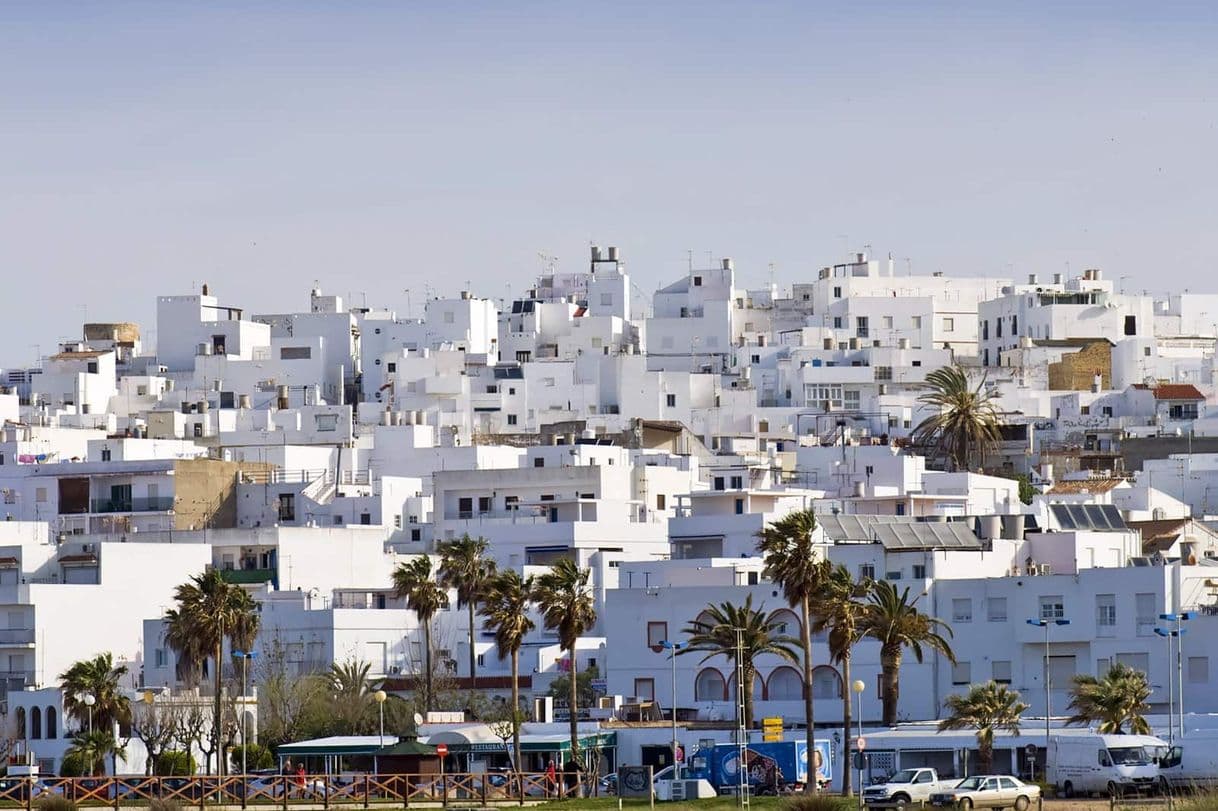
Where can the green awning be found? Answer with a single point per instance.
(409, 747)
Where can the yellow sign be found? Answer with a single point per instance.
(771, 737)
(767, 723)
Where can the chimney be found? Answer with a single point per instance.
(612, 253)
(1033, 279)
(727, 264)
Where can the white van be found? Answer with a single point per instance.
(1107, 764)
(1191, 764)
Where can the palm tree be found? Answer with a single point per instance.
(966, 418)
(413, 582)
(986, 708)
(791, 562)
(1114, 701)
(91, 749)
(505, 610)
(209, 610)
(893, 620)
(100, 678)
(351, 694)
(714, 633)
(465, 567)
(565, 601)
(839, 610)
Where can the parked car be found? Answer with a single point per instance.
(988, 791)
(905, 787)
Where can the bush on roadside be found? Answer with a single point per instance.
(55, 802)
(175, 763)
(158, 804)
(820, 802)
(257, 756)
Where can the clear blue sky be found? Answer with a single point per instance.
(382, 146)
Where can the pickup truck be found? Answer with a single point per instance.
(904, 788)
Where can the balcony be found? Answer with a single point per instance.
(248, 577)
(17, 636)
(133, 505)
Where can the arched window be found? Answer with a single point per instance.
(710, 686)
(21, 722)
(704, 622)
(789, 624)
(52, 725)
(785, 684)
(826, 683)
(35, 723)
(758, 685)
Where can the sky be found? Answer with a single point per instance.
(379, 148)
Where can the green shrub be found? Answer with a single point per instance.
(73, 765)
(157, 804)
(820, 802)
(257, 757)
(55, 802)
(174, 763)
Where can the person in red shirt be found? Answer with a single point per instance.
(551, 777)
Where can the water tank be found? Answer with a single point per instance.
(1033, 278)
(1057, 278)
(612, 253)
(727, 264)
(386, 417)
(991, 527)
(596, 253)
(243, 401)
(860, 489)
(281, 397)
(203, 348)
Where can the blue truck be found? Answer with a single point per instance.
(773, 768)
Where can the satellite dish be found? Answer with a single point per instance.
(418, 719)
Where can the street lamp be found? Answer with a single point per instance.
(379, 696)
(244, 656)
(149, 698)
(89, 700)
(858, 686)
(674, 647)
(1179, 617)
(1046, 624)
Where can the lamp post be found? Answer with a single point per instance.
(245, 656)
(858, 686)
(1171, 686)
(380, 696)
(1179, 617)
(149, 698)
(1046, 624)
(89, 699)
(674, 647)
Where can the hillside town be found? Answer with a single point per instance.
(459, 516)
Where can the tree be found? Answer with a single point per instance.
(413, 582)
(90, 750)
(208, 611)
(565, 601)
(985, 707)
(350, 696)
(155, 724)
(714, 633)
(100, 678)
(893, 620)
(839, 610)
(560, 687)
(465, 567)
(965, 420)
(791, 562)
(1113, 702)
(505, 610)
(291, 707)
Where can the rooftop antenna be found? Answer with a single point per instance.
(549, 261)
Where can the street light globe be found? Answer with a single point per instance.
(858, 686)
(90, 699)
(149, 697)
(380, 696)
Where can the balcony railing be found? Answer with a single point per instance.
(17, 636)
(131, 505)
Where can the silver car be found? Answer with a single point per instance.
(988, 791)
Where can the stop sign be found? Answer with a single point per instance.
(441, 749)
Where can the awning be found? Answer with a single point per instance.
(479, 738)
(408, 747)
(335, 745)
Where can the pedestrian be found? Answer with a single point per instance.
(551, 778)
(301, 779)
(570, 778)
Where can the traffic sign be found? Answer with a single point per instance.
(860, 744)
(775, 721)
(442, 749)
(771, 737)
(1030, 750)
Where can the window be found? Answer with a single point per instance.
(1105, 614)
(36, 723)
(52, 725)
(295, 352)
(1198, 670)
(198, 429)
(661, 501)
(657, 632)
(866, 571)
(397, 521)
(1001, 671)
(697, 281)
(737, 482)
(916, 322)
(645, 689)
(883, 373)
(1147, 616)
(739, 506)
(1052, 607)
(465, 507)
(919, 571)
(998, 328)
(718, 483)
(996, 609)
(416, 534)
(829, 397)
(1101, 666)
(887, 322)
(985, 330)
(893, 575)
(710, 686)
(837, 322)
(837, 292)
(1131, 325)
(962, 673)
(949, 325)
(391, 367)
(671, 400)
(326, 422)
(962, 609)
(1014, 326)
(539, 462)
(287, 506)
(606, 299)
(850, 399)
(1138, 661)
(861, 327)
(40, 495)
(755, 359)
(160, 658)
(511, 419)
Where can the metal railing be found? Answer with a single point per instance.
(131, 505)
(341, 790)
